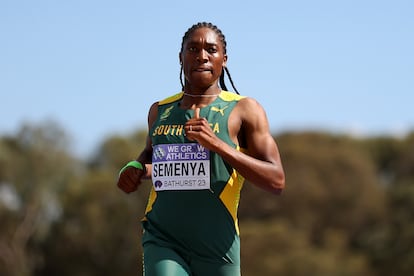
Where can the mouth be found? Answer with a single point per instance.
(202, 69)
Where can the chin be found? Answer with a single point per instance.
(201, 83)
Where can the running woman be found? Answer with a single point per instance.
(202, 143)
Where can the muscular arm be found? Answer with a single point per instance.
(261, 163)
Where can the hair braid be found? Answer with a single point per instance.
(223, 41)
(230, 78)
(181, 77)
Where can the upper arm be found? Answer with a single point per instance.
(146, 154)
(152, 115)
(254, 132)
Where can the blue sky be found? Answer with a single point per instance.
(95, 67)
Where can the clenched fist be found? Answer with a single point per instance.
(130, 178)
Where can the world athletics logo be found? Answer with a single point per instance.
(159, 153)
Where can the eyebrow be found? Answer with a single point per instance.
(192, 42)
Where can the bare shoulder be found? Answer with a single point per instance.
(251, 112)
(248, 101)
(248, 121)
(154, 107)
(153, 113)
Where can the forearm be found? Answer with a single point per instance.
(268, 175)
(145, 158)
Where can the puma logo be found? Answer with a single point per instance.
(220, 110)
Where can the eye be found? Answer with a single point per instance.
(192, 49)
(212, 50)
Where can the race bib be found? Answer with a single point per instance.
(180, 167)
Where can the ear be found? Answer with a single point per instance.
(180, 58)
(224, 60)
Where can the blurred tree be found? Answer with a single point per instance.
(404, 166)
(331, 187)
(99, 233)
(329, 184)
(100, 222)
(277, 248)
(384, 152)
(115, 151)
(34, 167)
(390, 242)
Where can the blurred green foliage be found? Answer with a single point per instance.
(348, 207)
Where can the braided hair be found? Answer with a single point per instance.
(223, 41)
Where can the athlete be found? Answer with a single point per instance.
(202, 143)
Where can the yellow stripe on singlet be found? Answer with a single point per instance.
(151, 200)
(230, 196)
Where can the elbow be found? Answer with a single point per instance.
(278, 184)
(271, 181)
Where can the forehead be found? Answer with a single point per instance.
(203, 35)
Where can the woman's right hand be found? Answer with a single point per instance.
(130, 179)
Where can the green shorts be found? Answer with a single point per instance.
(164, 261)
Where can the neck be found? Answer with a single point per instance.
(209, 92)
(193, 98)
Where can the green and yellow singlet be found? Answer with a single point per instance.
(194, 199)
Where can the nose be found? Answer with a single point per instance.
(202, 56)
